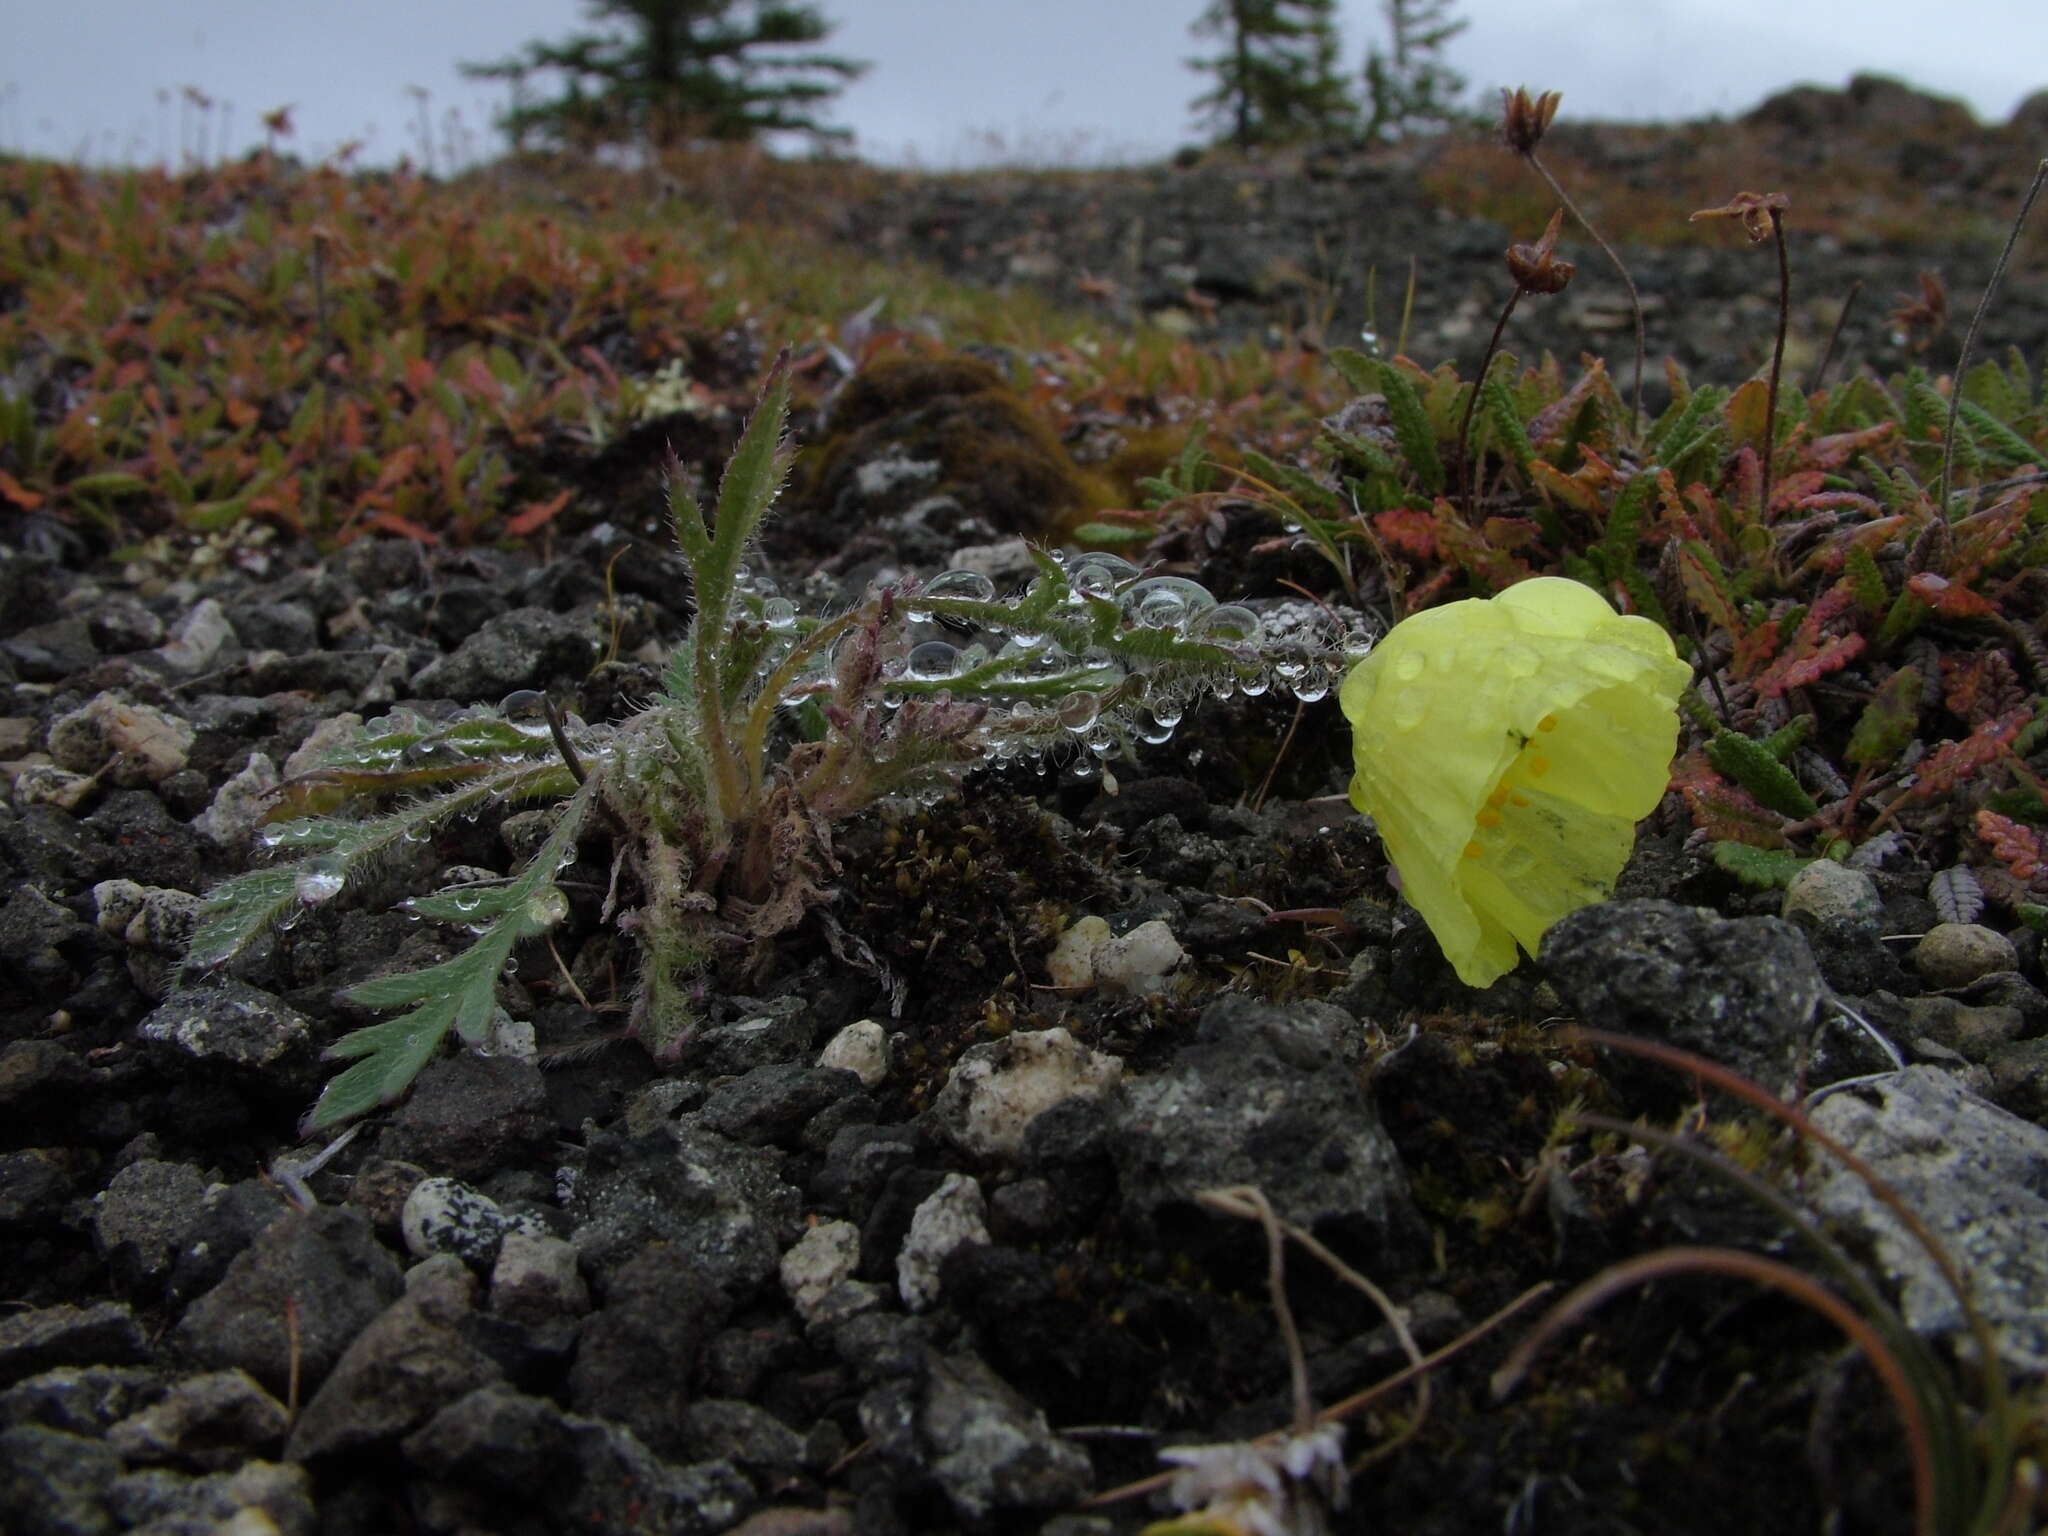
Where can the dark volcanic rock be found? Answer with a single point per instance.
(154, 848)
(412, 1360)
(526, 648)
(324, 1267)
(1262, 1097)
(1741, 991)
(52, 847)
(144, 1217)
(723, 1204)
(105, 1333)
(36, 1181)
(770, 1106)
(470, 1115)
(54, 1484)
(524, 1453)
(81, 1399)
(41, 947)
(976, 1436)
(233, 1218)
(498, 1436)
(230, 1025)
(749, 1437)
(637, 1353)
(214, 1421)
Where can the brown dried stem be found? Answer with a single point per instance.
(1465, 454)
(1535, 269)
(1955, 393)
(1359, 1401)
(1827, 353)
(1777, 356)
(1762, 215)
(1635, 299)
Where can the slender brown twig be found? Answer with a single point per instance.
(1763, 218)
(1827, 353)
(1955, 393)
(295, 1352)
(1524, 121)
(1466, 458)
(1635, 299)
(1359, 1401)
(561, 741)
(1777, 355)
(1535, 269)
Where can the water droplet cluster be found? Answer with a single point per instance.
(1095, 657)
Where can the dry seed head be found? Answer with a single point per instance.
(1753, 208)
(1921, 321)
(1535, 268)
(1523, 121)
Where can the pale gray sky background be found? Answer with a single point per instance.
(953, 82)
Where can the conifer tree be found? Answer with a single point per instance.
(1407, 83)
(1277, 79)
(663, 71)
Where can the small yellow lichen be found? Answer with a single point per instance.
(1494, 840)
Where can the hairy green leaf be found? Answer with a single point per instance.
(1888, 720)
(2009, 446)
(459, 993)
(238, 911)
(1504, 421)
(1872, 593)
(1750, 763)
(1764, 868)
(1411, 425)
(753, 475)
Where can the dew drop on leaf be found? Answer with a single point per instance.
(321, 880)
(933, 661)
(1100, 575)
(1311, 685)
(1231, 624)
(547, 906)
(969, 586)
(1078, 709)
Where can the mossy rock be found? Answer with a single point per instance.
(958, 415)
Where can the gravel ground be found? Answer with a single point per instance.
(906, 1240)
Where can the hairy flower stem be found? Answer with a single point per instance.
(725, 769)
(1777, 356)
(754, 746)
(1955, 393)
(1465, 455)
(1635, 300)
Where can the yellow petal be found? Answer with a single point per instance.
(1506, 748)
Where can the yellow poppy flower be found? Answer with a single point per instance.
(1506, 749)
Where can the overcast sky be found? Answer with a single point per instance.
(953, 82)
